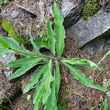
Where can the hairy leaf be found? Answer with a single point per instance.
(4, 51)
(24, 61)
(4, 43)
(57, 78)
(10, 29)
(37, 96)
(11, 43)
(44, 85)
(52, 100)
(81, 77)
(35, 78)
(81, 62)
(42, 43)
(59, 31)
(16, 48)
(47, 79)
(51, 37)
(23, 69)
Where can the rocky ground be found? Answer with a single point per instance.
(24, 16)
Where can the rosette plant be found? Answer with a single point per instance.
(46, 78)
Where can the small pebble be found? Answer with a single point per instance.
(108, 94)
(90, 77)
(14, 14)
(105, 83)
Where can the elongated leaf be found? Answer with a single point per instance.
(35, 78)
(105, 104)
(44, 85)
(10, 29)
(52, 100)
(57, 78)
(18, 49)
(81, 62)
(24, 61)
(37, 96)
(59, 31)
(4, 51)
(32, 42)
(47, 79)
(51, 37)
(93, 108)
(12, 44)
(81, 77)
(23, 69)
(25, 53)
(42, 43)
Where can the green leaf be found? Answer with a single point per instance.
(47, 79)
(93, 107)
(81, 77)
(57, 77)
(16, 48)
(52, 100)
(43, 90)
(11, 43)
(37, 96)
(4, 51)
(33, 43)
(24, 61)
(81, 62)
(28, 97)
(23, 69)
(42, 43)
(25, 53)
(5, 1)
(105, 105)
(38, 26)
(51, 37)
(35, 78)
(4, 43)
(10, 29)
(59, 31)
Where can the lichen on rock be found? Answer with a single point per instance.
(91, 7)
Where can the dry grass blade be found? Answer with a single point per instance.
(76, 93)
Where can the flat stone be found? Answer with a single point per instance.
(86, 31)
(97, 46)
(71, 11)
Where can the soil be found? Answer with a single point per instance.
(73, 95)
(7, 90)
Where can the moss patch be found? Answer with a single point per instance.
(91, 7)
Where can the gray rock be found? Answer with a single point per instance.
(71, 11)
(97, 26)
(99, 45)
(5, 59)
